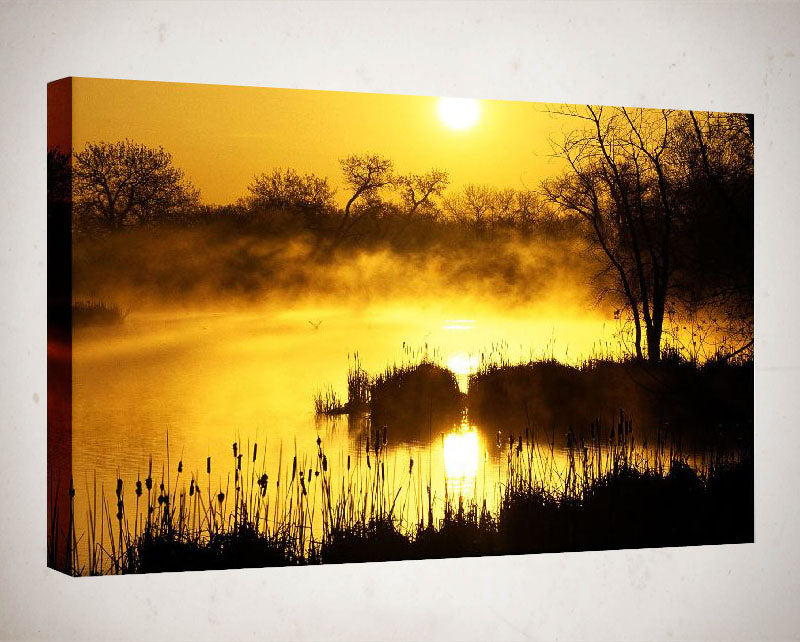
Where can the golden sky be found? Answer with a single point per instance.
(221, 135)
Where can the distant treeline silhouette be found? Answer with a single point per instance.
(125, 184)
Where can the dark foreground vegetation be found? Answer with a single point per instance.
(611, 493)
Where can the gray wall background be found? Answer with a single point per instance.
(731, 57)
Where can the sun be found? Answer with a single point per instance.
(458, 113)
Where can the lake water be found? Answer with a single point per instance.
(206, 379)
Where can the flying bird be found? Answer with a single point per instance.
(316, 325)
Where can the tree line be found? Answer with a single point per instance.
(125, 184)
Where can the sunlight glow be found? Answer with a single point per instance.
(458, 113)
(462, 363)
(461, 454)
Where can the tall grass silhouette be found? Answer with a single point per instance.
(612, 492)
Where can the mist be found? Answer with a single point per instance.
(204, 268)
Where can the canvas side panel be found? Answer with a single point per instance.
(60, 540)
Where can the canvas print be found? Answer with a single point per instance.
(296, 327)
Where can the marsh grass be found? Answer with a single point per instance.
(709, 404)
(327, 402)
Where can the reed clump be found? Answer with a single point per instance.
(706, 404)
(409, 397)
(415, 395)
(327, 402)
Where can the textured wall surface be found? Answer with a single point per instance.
(730, 57)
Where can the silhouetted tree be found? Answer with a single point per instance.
(503, 207)
(365, 175)
(631, 177)
(126, 183)
(290, 190)
(618, 184)
(417, 191)
(528, 208)
(472, 205)
(717, 187)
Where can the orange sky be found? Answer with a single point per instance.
(221, 135)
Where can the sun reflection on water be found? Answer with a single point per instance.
(460, 451)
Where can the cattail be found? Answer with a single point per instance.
(348, 462)
(191, 488)
(180, 466)
(319, 441)
(119, 488)
(149, 483)
(255, 449)
(138, 487)
(221, 497)
(235, 448)
(367, 443)
(208, 465)
(239, 462)
(71, 488)
(262, 483)
(368, 464)
(309, 474)
(410, 464)
(324, 463)
(294, 466)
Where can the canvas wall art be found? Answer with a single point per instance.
(296, 327)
